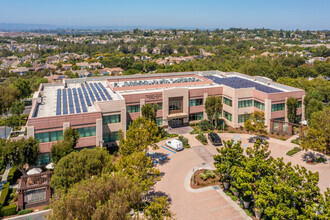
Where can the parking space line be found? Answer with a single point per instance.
(168, 149)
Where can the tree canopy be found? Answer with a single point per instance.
(292, 106)
(256, 123)
(213, 108)
(149, 111)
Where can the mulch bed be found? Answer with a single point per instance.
(197, 182)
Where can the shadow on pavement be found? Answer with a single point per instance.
(153, 193)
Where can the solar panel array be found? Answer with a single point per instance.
(237, 83)
(70, 101)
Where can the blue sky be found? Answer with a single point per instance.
(285, 14)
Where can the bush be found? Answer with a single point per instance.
(296, 141)
(13, 175)
(282, 138)
(210, 174)
(13, 196)
(8, 210)
(206, 125)
(184, 141)
(203, 176)
(173, 135)
(241, 127)
(4, 194)
(195, 131)
(201, 137)
(228, 193)
(46, 207)
(25, 211)
(220, 124)
(232, 132)
(192, 124)
(234, 198)
(293, 151)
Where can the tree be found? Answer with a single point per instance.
(256, 123)
(158, 209)
(149, 111)
(141, 134)
(78, 166)
(213, 108)
(105, 197)
(21, 152)
(138, 166)
(23, 85)
(17, 108)
(8, 96)
(66, 146)
(312, 105)
(292, 105)
(318, 133)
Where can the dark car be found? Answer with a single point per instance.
(215, 139)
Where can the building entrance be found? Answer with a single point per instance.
(174, 123)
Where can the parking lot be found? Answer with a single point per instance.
(209, 203)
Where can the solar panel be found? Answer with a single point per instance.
(90, 93)
(100, 91)
(65, 104)
(58, 102)
(82, 101)
(76, 101)
(105, 91)
(95, 92)
(237, 83)
(71, 107)
(86, 96)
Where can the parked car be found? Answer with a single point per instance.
(215, 139)
(174, 144)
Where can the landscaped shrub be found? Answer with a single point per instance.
(203, 176)
(46, 207)
(222, 124)
(4, 194)
(8, 210)
(192, 124)
(13, 196)
(25, 211)
(210, 174)
(282, 138)
(11, 174)
(232, 132)
(201, 137)
(184, 141)
(196, 130)
(206, 125)
(296, 141)
(293, 151)
(234, 198)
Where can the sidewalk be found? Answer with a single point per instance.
(4, 178)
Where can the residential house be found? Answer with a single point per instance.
(83, 65)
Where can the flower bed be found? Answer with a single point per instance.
(203, 177)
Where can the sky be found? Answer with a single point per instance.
(203, 14)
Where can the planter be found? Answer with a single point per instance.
(236, 194)
(226, 185)
(258, 215)
(246, 204)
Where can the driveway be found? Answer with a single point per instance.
(185, 202)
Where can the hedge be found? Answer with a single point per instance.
(8, 210)
(4, 194)
(25, 211)
(11, 175)
(293, 151)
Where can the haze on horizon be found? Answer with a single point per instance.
(280, 14)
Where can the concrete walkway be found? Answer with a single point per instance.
(4, 177)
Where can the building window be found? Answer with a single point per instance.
(49, 136)
(196, 116)
(278, 107)
(227, 115)
(227, 101)
(133, 108)
(245, 103)
(109, 119)
(159, 121)
(160, 106)
(279, 119)
(111, 137)
(259, 105)
(243, 118)
(175, 105)
(195, 102)
(87, 132)
(43, 159)
(299, 104)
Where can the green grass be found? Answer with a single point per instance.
(23, 212)
(293, 151)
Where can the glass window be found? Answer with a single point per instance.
(245, 103)
(243, 118)
(227, 115)
(43, 159)
(160, 106)
(278, 107)
(49, 136)
(175, 105)
(299, 104)
(227, 101)
(159, 121)
(111, 119)
(279, 119)
(259, 105)
(53, 136)
(87, 132)
(59, 135)
(133, 108)
(195, 102)
(196, 116)
(111, 137)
